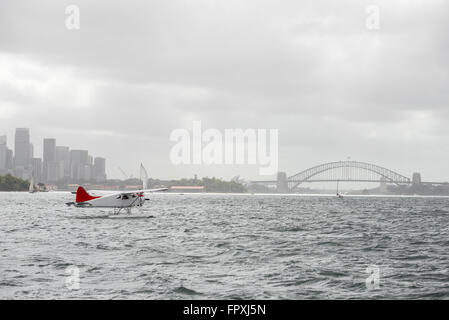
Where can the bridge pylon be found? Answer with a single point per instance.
(282, 183)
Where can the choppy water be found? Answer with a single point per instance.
(225, 247)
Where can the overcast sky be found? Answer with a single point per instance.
(136, 70)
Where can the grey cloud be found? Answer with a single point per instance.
(309, 68)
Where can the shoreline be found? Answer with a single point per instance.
(303, 195)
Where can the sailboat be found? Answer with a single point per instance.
(143, 177)
(339, 195)
(31, 188)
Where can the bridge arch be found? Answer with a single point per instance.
(388, 175)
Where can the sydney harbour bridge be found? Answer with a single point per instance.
(349, 171)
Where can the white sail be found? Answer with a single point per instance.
(31, 189)
(143, 177)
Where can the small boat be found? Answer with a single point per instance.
(143, 177)
(339, 195)
(31, 189)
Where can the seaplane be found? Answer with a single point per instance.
(118, 201)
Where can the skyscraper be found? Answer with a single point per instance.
(63, 157)
(36, 164)
(31, 155)
(55, 171)
(49, 155)
(58, 164)
(22, 147)
(99, 169)
(79, 159)
(3, 154)
(9, 159)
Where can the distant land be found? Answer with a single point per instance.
(11, 183)
(388, 189)
(423, 190)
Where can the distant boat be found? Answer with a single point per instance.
(143, 177)
(31, 188)
(339, 195)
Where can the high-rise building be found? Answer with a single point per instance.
(85, 172)
(22, 148)
(99, 172)
(6, 160)
(63, 156)
(78, 160)
(55, 171)
(3, 154)
(20, 172)
(31, 152)
(49, 155)
(416, 178)
(9, 159)
(58, 162)
(36, 164)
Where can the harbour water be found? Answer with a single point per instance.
(200, 246)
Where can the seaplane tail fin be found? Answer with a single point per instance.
(82, 195)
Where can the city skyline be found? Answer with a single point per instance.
(57, 163)
(131, 172)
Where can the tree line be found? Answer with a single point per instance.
(10, 183)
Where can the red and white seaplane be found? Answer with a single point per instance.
(118, 201)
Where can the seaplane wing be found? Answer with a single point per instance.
(123, 199)
(143, 191)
